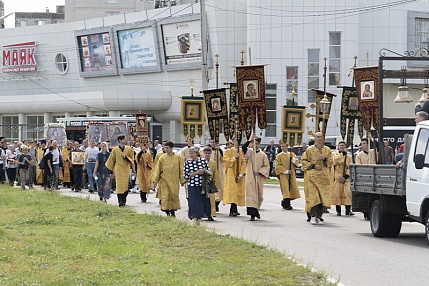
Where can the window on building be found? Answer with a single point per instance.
(41, 22)
(291, 84)
(35, 127)
(112, 1)
(61, 63)
(54, 118)
(334, 66)
(422, 33)
(23, 23)
(271, 109)
(10, 127)
(313, 73)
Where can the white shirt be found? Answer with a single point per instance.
(91, 154)
(56, 152)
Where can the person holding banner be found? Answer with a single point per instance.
(144, 161)
(258, 169)
(235, 170)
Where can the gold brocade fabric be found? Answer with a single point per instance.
(340, 192)
(39, 172)
(218, 160)
(317, 182)
(234, 192)
(155, 163)
(255, 184)
(288, 183)
(216, 176)
(121, 167)
(66, 167)
(169, 176)
(144, 170)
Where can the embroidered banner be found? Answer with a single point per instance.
(217, 110)
(192, 117)
(142, 127)
(234, 131)
(350, 113)
(251, 96)
(293, 124)
(367, 89)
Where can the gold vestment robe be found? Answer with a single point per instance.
(121, 167)
(317, 182)
(340, 192)
(144, 170)
(255, 184)
(234, 193)
(363, 158)
(39, 172)
(66, 166)
(169, 176)
(155, 163)
(215, 175)
(288, 183)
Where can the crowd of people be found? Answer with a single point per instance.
(233, 176)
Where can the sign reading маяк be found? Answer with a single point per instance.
(19, 57)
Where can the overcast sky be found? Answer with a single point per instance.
(27, 6)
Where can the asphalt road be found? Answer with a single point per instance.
(343, 247)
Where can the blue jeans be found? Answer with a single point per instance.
(90, 170)
(56, 168)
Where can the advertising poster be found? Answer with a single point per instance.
(137, 48)
(182, 42)
(95, 52)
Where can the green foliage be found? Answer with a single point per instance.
(49, 239)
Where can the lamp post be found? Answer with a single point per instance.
(324, 107)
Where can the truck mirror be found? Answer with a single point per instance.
(419, 161)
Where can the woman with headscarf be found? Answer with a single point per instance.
(101, 174)
(194, 170)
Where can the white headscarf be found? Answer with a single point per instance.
(107, 145)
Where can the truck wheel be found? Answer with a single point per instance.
(427, 227)
(395, 224)
(378, 220)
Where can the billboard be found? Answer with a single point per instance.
(137, 48)
(182, 42)
(96, 53)
(19, 57)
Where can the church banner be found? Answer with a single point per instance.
(251, 96)
(142, 128)
(367, 89)
(350, 115)
(217, 110)
(293, 124)
(192, 118)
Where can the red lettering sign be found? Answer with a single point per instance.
(19, 57)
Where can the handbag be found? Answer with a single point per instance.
(42, 163)
(212, 187)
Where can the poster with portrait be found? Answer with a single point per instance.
(56, 131)
(367, 90)
(78, 157)
(182, 42)
(95, 51)
(114, 130)
(97, 132)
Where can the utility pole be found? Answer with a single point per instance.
(204, 70)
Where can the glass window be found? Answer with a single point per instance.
(334, 79)
(10, 127)
(61, 63)
(270, 130)
(112, 1)
(23, 23)
(334, 66)
(271, 107)
(313, 82)
(292, 81)
(334, 38)
(422, 33)
(291, 72)
(41, 22)
(313, 69)
(270, 103)
(34, 128)
(335, 52)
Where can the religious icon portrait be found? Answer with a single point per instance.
(78, 157)
(367, 90)
(97, 132)
(114, 131)
(56, 133)
(250, 88)
(192, 111)
(216, 104)
(353, 103)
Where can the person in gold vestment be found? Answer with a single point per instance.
(285, 165)
(235, 170)
(155, 163)
(317, 161)
(144, 169)
(120, 161)
(169, 177)
(66, 165)
(40, 154)
(340, 180)
(257, 169)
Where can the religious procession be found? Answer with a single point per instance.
(113, 160)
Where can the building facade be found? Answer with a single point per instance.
(24, 19)
(77, 10)
(66, 77)
(1, 14)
